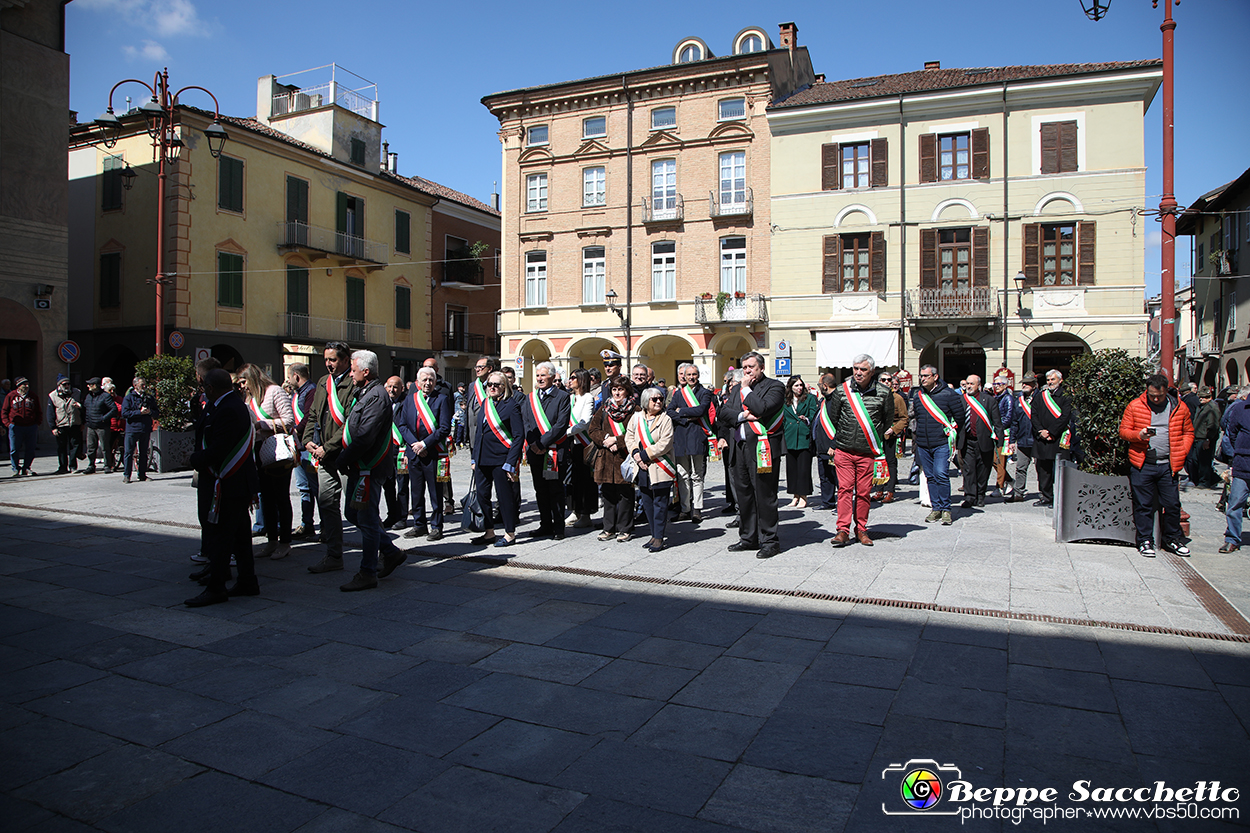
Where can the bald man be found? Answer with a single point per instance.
(983, 432)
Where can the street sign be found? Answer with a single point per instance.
(43, 303)
(783, 367)
(520, 367)
(68, 351)
(202, 353)
(175, 340)
(782, 350)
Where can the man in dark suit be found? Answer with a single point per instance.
(546, 415)
(227, 484)
(1052, 420)
(983, 432)
(396, 489)
(689, 409)
(323, 439)
(756, 446)
(425, 424)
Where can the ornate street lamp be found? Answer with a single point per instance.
(611, 297)
(1095, 10)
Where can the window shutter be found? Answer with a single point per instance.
(829, 175)
(928, 258)
(980, 256)
(1050, 148)
(876, 261)
(880, 163)
(296, 200)
(1085, 250)
(341, 212)
(1067, 146)
(928, 160)
(112, 184)
(833, 260)
(981, 153)
(1032, 254)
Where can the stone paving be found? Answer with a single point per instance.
(583, 686)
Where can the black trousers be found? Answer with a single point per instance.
(730, 500)
(828, 482)
(618, 507)
(976, 470)
(1046, 480)
(1154, 487)
(423, 481)
(275, 504)
(396, 492)
(891, 464)
(494, 477)
(799, 472)
(68, 447)
(231, 535)
(584, 496)
(549, 494)
(757, 497)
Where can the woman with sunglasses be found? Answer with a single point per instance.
(607, 432)
(649, 438)
(497, 456)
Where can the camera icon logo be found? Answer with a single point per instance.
(922, 783)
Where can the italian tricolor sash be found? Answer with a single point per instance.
(550, 459)
(496, 423)
(617, 428)
(856, 401)
(256, 409)
(763, 451)
(692, 401)
(826, 424)
(1065, 440)
(401, 457)
(979, 410)
(1028, 409)
(647, 442)
(232, 465)
(295, 406)
(479, 390)
(337, 412)
(425, 413)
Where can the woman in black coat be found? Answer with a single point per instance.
(497, 455)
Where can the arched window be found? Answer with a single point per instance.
(689, 53)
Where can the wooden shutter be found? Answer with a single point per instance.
(230, 184)
(981, 153)
(1050, 148)
(355, 299)
(112, 188)
(296, 200)
(403, 223)
(830, 180)
(876, 261)
(1032, 254)
(340, 212)
(880, 163)
(928, 258)
(831, 281)
(928, 157)
(1085, 251)
(980, 256)
(1067, 146)
(296, 290)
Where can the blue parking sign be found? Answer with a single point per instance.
(783, 367)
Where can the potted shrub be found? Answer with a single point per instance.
(172, 380)
(722, 298)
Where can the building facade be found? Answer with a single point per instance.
(300, 233)
(968, 218)
(636, 209)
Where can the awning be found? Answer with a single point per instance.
(840, 347)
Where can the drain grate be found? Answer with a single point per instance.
(1209, 597)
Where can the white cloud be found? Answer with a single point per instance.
(164, 18)
(150, 51)
(1154, 238)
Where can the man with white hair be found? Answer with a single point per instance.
(860, 410)
(1052, 431)
(424, 424)
(546, 415)
(983, 432)
(368, 458)
(692, 432)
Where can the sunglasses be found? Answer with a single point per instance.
(611, 364)
(494, 384)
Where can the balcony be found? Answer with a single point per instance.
(674, 213)
(1209, 344)
(469, 343)
(746, 310)
(462, 272)
(293, 325)
(949, 303)
(317, 243)
(742, 208)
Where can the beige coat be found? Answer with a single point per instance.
(662, 433)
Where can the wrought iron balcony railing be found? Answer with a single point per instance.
(295, 325)
(469, 343)
(318, 239)
(663, 211)
(721, 208)
(953, 302)
(747, 309)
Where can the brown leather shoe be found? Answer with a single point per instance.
(887, 497)
(863, 538)
(875, 496)
(841, 539)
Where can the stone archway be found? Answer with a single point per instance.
(21, 347)
(663, 353)
(586, 352)
(728, 349)
(532, 352)
(1053, 351)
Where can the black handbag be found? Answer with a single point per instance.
(471, 517)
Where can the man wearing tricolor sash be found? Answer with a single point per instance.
(1052, 426)
(546, 413)
(753, 417)
(692, 433)
(1022, 435)
(323, 440)
(983, 433)
(940, 414)
(477, 395)
(305, 472)
(395, 492)
(861, 411)
(368, 459)
(425, 424)
(227, 484)
(823, 436)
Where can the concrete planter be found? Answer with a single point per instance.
(1092, 507)
(171, 450)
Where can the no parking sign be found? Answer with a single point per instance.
(68, 351)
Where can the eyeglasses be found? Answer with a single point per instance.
(494, 384)
(481, 366)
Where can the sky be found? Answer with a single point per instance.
(433, 62)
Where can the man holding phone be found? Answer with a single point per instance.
(1160, 433)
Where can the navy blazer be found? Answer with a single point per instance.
(765, 400)
(413, 430)
(557, 406)
(487, 448)
(225, 425)
(689, 438)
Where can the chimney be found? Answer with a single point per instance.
(932, 64)
(395, 163)
(789, 36)
(494, 196)
(385, 155)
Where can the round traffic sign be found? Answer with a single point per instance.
(175, 340)
(68, 351)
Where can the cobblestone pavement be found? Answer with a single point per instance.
(580, 685)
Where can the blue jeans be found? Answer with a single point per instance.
(139, 441)
(655, 505)
(935, 463)
(1154, 487)
(22, 438)
(369, 521)
(306, 482)
(1234, 510)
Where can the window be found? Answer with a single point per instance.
(403, 308)
(594, 186)
(459, 265)
(732, 109)
(110, 280)
(297, 300)
(952, 156)
(663, 117)
(854, 262)
(594, 274)
(690, 52)
(536, 135)
(350, 225)
(536, 192)
(230, 184)
(733, 264)
(112, 183)
(355, 329)
(1059, 147)
(536, 279)
(664, 188)
(751, 43)
(954, 160)
(296, 211)
(855, 165)
(862, 164)
(955, 258)
(229, 280)
(358, 152)
(733, 178)
(403, 232)
(454, 336)
(664, 271)
(1059, 254)
(594, 127)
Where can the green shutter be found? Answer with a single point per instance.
(355, 299)
(403, 308)
(296, 290)
(403, 223)
(112, 184)
(340, 212)
(296, 200)
(230, 184)
(229, 280)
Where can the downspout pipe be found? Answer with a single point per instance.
(1006, 238)
(629, 218)
(902, 230)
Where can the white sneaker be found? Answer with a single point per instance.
(199, 558)
(571, 519)
(1147, 549)
(1176, 548)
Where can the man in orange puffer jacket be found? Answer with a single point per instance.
(1160, 433)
